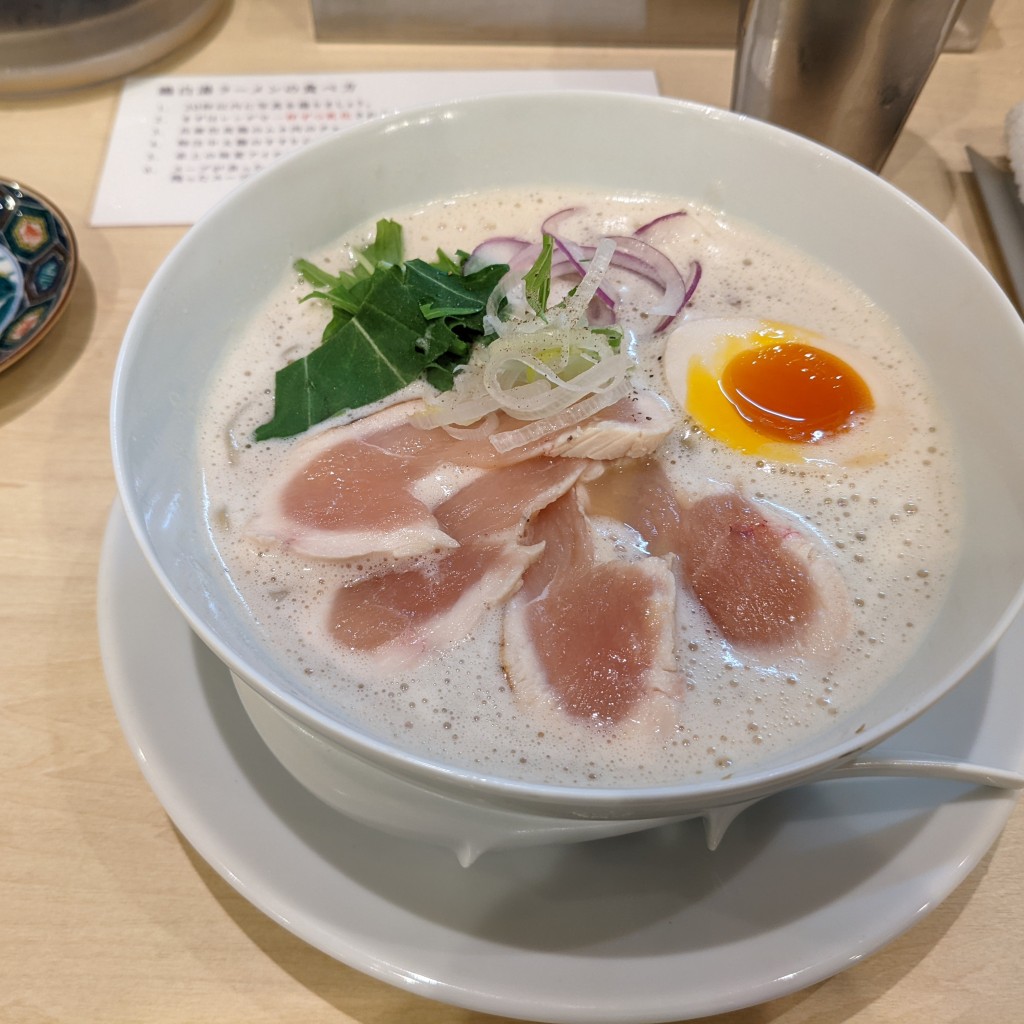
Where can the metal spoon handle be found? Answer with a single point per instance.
(929, 768)
(718, 819)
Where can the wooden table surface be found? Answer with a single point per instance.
(106, 914)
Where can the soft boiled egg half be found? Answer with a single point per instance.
(779, 392)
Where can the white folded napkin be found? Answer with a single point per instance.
(1015, 144)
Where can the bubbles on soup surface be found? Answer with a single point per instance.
(887, 525)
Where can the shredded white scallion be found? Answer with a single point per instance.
(551, 371)
(506, 440)
(478, 433)
(576, 304)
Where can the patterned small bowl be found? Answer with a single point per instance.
(38, 264)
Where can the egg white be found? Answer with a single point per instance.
(705, 346)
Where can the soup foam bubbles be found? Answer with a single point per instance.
(891, 528)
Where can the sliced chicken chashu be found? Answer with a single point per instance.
(349, 492)
(370, 487)
(592, 638)
(631, 428)
(638, 493)
(400, 617)
(765, 582)
(499, 502)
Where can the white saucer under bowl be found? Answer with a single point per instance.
(647, 928)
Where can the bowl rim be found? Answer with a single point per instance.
(544, 798)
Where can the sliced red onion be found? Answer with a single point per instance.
(520, 255)
(658, 268)
(691, 287)
(524, 259)
(550, 223)
(599, 315)
(571, 259)
(571, 251)
(500, 249)
(563, 265)
(651, 225)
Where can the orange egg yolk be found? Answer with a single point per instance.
(790, 391)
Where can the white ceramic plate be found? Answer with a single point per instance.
(647, 928)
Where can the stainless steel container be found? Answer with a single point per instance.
(47, 45)
(845, 74)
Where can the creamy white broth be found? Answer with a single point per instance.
(890, 528)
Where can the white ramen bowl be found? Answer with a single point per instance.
(946, 303)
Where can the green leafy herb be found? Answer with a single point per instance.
(387, 244)
(392, 322)
(613, 333)
(538, 278)
(449, 264)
